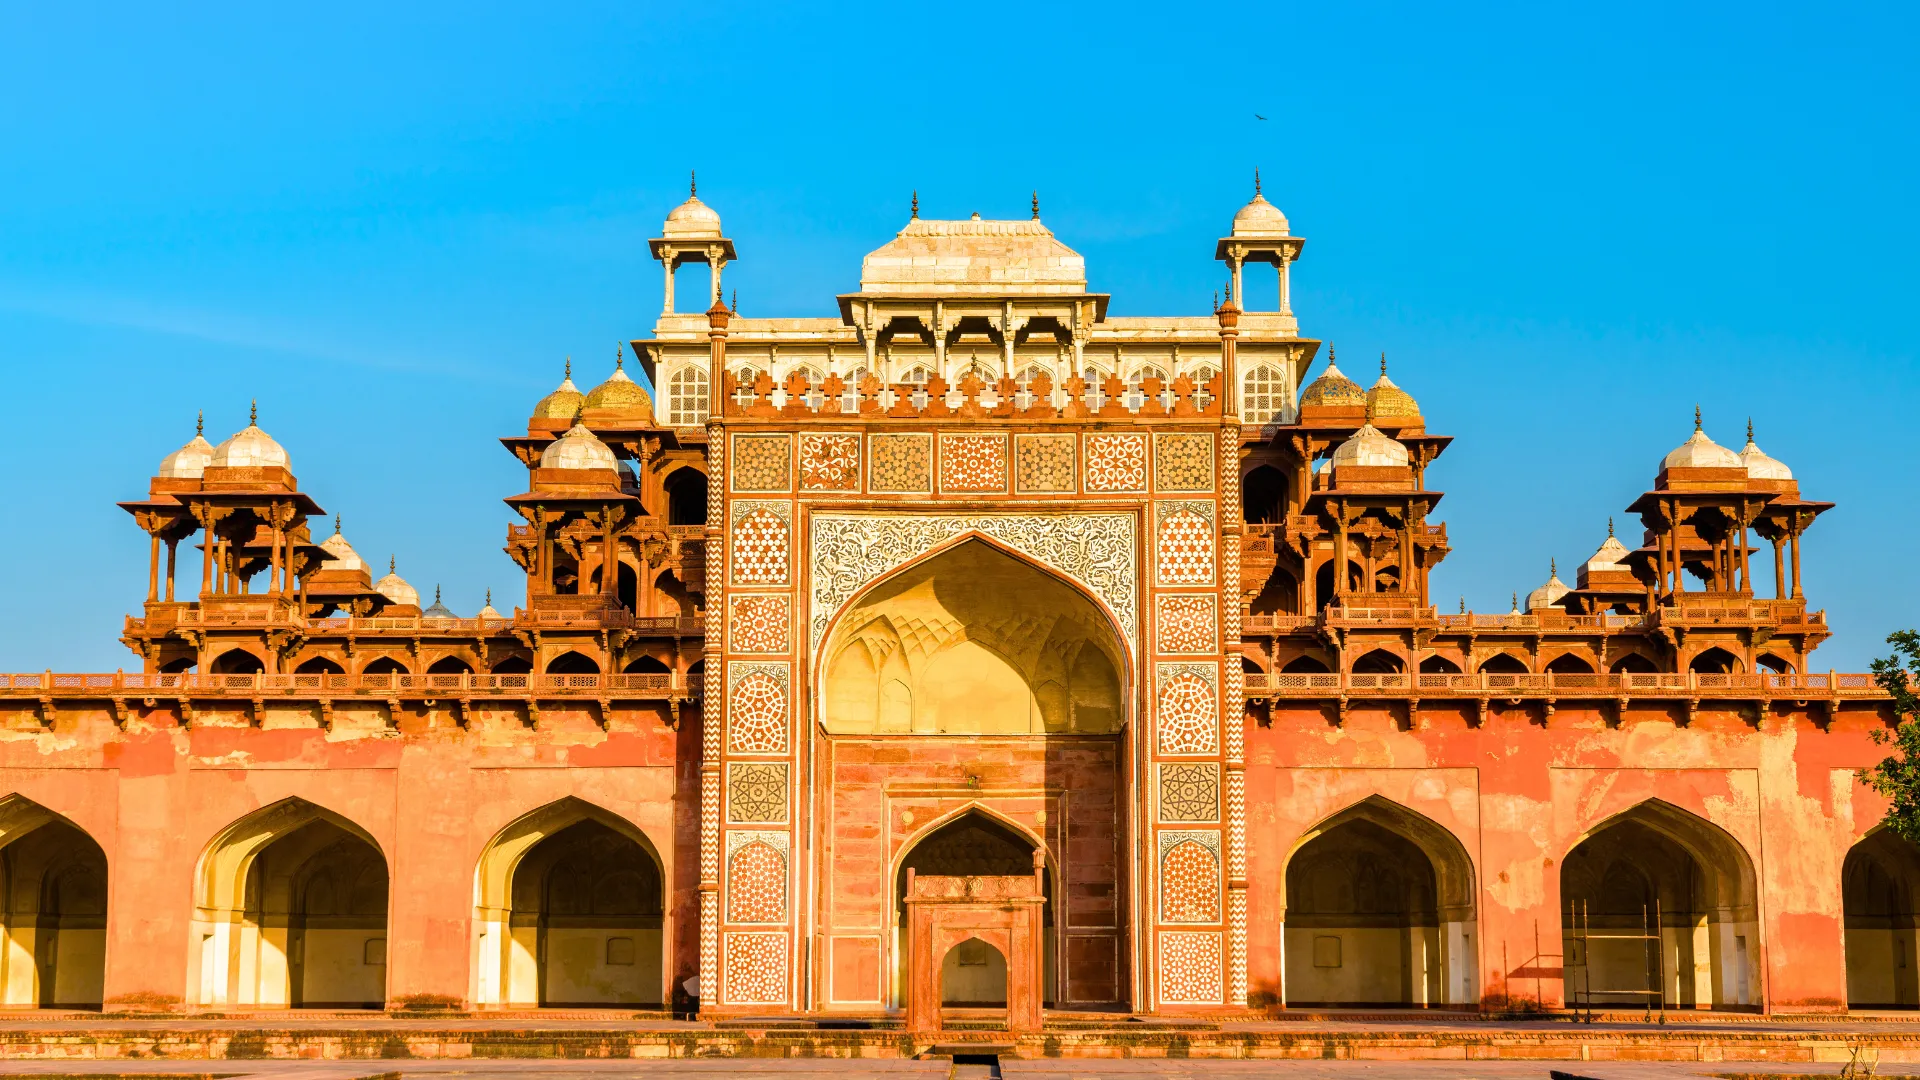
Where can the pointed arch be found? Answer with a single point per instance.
(1378, 907)
(252, 941)
(53, 912)
(1880, 903)
(1017, 841)
(522, 961)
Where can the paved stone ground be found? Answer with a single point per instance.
(801, 1069)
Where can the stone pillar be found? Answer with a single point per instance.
(667, 258)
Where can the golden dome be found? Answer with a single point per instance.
(1333, 388)
(620, 394)
(565, 401)
(1386, 398)
(250, 447)
(190, 461)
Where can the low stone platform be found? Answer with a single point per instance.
(588, 1035)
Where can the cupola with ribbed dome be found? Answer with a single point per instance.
(340, 554)
(190, 461)
(1764, 471)
(438, 610)
(1261, 234)
(1388, 406)
(558, 409)
(1550, 594)
(486, 610)
(691, 234)
(619, 402)
(250, 448)
(579, 449)
(1371, 448)
(1701, 464)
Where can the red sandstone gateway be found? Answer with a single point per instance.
(972, 649)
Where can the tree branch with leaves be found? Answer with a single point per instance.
(1897, 776)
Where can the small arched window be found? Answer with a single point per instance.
(1201, 376)
(1264, 393)
(687, 397)
(1136, 386)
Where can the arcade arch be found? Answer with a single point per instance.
(54, 909)
(1379, 910)
(291, 910)
(973, 641)
(570, 910)
(1657, 871)
(1879, 883)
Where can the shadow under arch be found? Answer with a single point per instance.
(53, 909)
(612, 952)
(1880, 904)
(1659, 901)
(1378, 907)
(290, 909)
(1007, 849)
(899, 705)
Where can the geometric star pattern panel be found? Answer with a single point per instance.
(757, 878)
(1183, 463)
(755, 966)
(762, 463)
(757, 708)
(1044, 462)
(830, 462)
(1188, 792)
(1116, 463)
(1188, 713)
(1189, 967)
(1184, 543)
(757, 792)
(1187, 623)
(760, 540)
(900, 463)
(973, 463)
(758, 623)
(1189, 878)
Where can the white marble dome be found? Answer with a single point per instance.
(578, 449)
(1760, 465)
(1371, 446)
(189, 462)
(1260, 218)
(340, 554)
(1700, 452)
(250, 448)
(395, 588)
(692, 220)
(1548, 595)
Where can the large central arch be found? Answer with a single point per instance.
(973, 641)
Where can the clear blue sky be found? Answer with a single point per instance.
(1566, 226)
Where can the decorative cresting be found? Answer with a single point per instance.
(850, 551)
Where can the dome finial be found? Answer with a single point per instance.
(1749, 429)
(1516, 601)
(569, 371)
(1036, 206)
(1696, 418)
(253, 413)
(693, 184)
(390, 564)
(736, 302)
(436, 593)
(619, 356)
(1256, 179)
(913, 212)
(489, 597)
(336, 523)
(1383, 361)
(1553, 568)
(200, 423)
(1609, 526)
(1463, 605)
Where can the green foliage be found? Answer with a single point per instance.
(1898, 775)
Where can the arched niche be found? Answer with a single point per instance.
(54, 909)
(1379, 910)
(972, 843)
(291, 910)
(973, 974)
(686, 489)
(1880, 898)
(570, 910)
(973, 641)
(1659, 901)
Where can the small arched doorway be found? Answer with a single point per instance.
(973, 975)
(292, 912)
(571, 912)
(971, 845)
(55, 909)
(1658, 907)
(1878, 883)
(686, 497)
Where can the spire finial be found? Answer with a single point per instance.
(1609, 526)
(390, 564)
(1696, 418)
(736, 301)
(1749, 429)
(1553, 568)
(1330, 360)
(569, 365)
(336, 524)
(436, 592)
(1463, 605)
(693, 184)
(1383, 363)
(619, 356)
(914, 212)
(200, 423)
(1516, 601)
(489, 597)
(1036, 206)
(253, 413)
(1256, 181)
